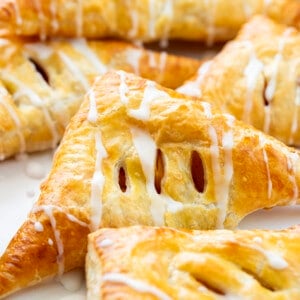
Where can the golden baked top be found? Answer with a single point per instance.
(43, 84)
(164, 263)
(140, 154)
(145, 20)
(256, 77)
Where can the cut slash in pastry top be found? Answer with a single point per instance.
(138, 153)
(143, 20)
(164, 263)
(256, 78)
(42, 84)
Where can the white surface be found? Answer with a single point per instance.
(19, 191)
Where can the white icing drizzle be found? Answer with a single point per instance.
(82, 46)
(207, 109)
(252, 71)
(133, 57)
(162, 61)
(223, 179)
(133, 32)
(41, 17)
(168, 13)
(53, 10)
(151, 93)
(262, 142)
(292, 159)
(152, 19)
(192, 87)
(227, 145)
(271, 87)
(295, 120)
(19, 19)
(75, 70)
(35, 100)
(211, 28)
(106, 243)
(152, 61)
(60, 259)
(93, 113)
(146, 149)
(135, 284)
(275, 260)
(123, 88)
(38, 226)
(247, 9)
(13, 114)
(97, 184)
(69, 216)
(48, 210)
(41, 49)
(79, 24)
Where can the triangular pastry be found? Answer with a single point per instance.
(43, 84)
(138, 153)
(256, 78)
(143, 20)
(164, 263)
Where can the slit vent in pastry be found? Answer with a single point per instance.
(128, 157)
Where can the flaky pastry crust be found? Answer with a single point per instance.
(256, 78)
(42, 84)
(138, 153)
(164, 263)
(145, 20)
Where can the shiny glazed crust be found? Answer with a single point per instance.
(42, 84)
(164, 263)
(256, 78)
(145, 20)
(108, 172)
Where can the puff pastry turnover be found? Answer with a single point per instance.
(42, 84)
(257, 79)
(145, 20)
(138, 153)
(164, 263)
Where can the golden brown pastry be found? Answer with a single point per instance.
(144, 20)
(138, 153)
(164, 263)
(257, 79)
(42, 84)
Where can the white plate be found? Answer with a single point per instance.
(19, 191)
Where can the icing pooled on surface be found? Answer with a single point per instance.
(38, 226)
(97, 184)
(73, 280)
(34, 169)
